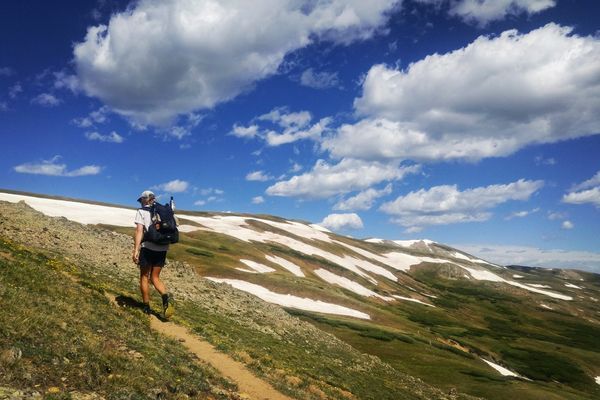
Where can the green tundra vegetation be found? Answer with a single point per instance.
(52, 319)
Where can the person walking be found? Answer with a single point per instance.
(150, 256)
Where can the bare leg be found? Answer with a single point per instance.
(144, 286)
(155, 277)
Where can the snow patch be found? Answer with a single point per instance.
(83, 213)
(320, 228)
(288, 265)
(257, 267)
(546, 306)
(291, 301)
(570, 285)
(413, 300)
(480, 261)
(503, 371)
(597, 379)
(461, 256)
(539, 285)
(396, 260)
(483, 275)
(374, 240)
(238, 228)
(489, 276)
(518, 276)
(346, 283)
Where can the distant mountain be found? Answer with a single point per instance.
(456, 322)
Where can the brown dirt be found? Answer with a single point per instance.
(248, 384)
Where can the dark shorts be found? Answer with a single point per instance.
(149, 258)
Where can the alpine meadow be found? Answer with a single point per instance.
(300, 200)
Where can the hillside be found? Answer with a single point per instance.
(361, 319)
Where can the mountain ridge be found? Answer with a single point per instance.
(406, 325)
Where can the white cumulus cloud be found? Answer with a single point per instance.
(441, 205)
(326, 180)
(482, 12)
(52, 167)
(259, 176)
(591, 196)
(174, 186)
(488, 99)
(363, 200)
(521, 214)
(159, 59)
(245, 131)
(567, 225)
(281, 126)
(319, 80)
(112, 137)
(258, 200)
(594, 181)
(98, 116)
(586, 192)
(46, 100)
(338, 222)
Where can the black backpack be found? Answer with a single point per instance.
(163, 229)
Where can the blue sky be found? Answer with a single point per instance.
(468, 122)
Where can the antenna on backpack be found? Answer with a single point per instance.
(172, 203)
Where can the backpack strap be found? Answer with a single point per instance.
(150, 209)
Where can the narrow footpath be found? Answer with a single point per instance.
(249, 385)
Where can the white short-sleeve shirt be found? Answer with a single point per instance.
(143, 217)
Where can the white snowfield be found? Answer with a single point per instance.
(409, 243)
(461, 256)
(570, 285)
(503, 371)
(346, 283)
(489, 276)
(239, 228)
(546, 306)
(539, 285)
(413, 300)
(597, 379)
(75, 211)
(288, 265)
(396, 260)
(256, 267)
(291, 301)
(518, 276)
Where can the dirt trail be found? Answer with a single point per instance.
(248, 384)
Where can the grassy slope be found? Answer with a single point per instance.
(557, 350)
(301, 362)
(73, 340)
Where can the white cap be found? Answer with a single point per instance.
(146, 194)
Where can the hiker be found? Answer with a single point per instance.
(150, 256)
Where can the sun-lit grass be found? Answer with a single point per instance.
(73, 339)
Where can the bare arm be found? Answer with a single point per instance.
(137, 241)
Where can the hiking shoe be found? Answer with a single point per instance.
(146, 309)
(168, 307)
